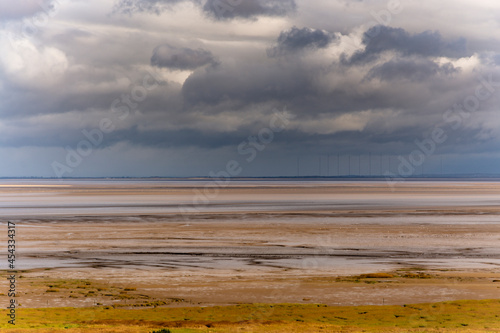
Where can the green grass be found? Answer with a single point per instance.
(462, 316)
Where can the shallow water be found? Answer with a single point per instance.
(106, 197)
(313, 226)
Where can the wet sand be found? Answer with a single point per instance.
(270, 242)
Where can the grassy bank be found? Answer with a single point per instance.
(463, 316)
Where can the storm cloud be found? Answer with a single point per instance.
(380, 39)
(230, 9)
(215, 9)
(181, 58)
(296, 39)
(147, 6)
(181, 84)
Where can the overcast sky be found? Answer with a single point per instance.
(248, 87)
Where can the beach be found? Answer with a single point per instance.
(197, 243)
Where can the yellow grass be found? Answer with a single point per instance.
(457, 316)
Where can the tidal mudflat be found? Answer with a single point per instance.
(192, 243)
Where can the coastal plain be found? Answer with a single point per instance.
(135, 244)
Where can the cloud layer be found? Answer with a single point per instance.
(195, 79)
(296, 39)
(183, 59)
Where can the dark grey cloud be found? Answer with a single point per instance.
(294, 84)
(296, 39)
(180, 138)
(59, 98)
(380, 39)
(216, 9)
(248, 83)
(230, 9)
(181, 58)
(410, 69)
(146, 6)
(246, 86)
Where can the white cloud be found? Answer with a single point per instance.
(29, 65)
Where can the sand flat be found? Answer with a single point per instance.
(258, 241)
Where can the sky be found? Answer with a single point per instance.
(219, 88)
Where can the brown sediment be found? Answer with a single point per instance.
(436, 245)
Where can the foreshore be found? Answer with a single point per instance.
(255, 243)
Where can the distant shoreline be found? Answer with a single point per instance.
(284, 178)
